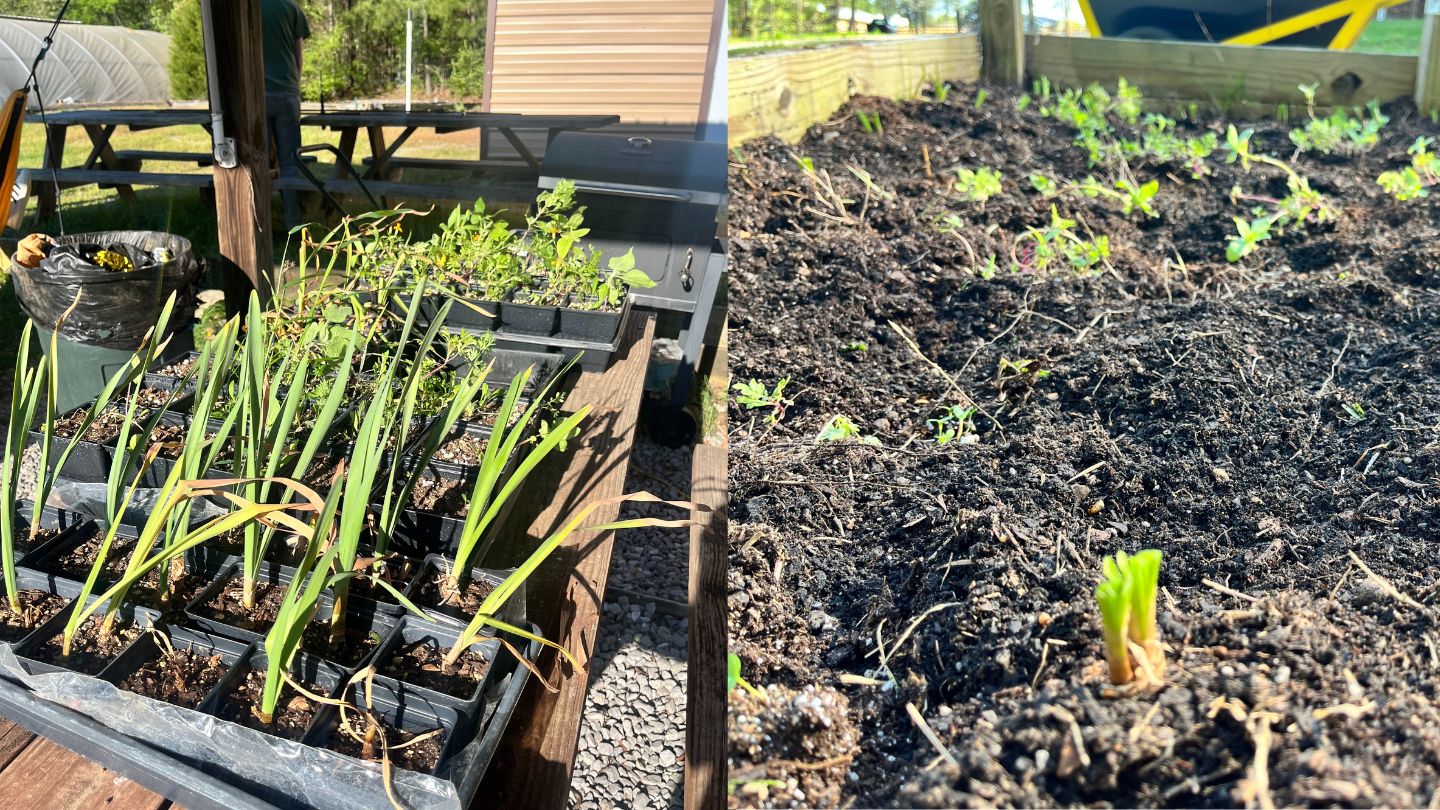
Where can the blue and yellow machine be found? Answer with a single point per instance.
(1310, 23)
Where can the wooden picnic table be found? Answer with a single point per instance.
(535, 761)
(122, 169)
(509, 125)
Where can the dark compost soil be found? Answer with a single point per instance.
(292, 715)
(423, 663)
(1189, 404)
(90, 652)
(35, 608)
(420, 756)
(181, 677)
(228, 605)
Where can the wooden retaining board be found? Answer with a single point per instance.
(1222, 75)
(784, 93)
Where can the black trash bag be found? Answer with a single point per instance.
(117, 307)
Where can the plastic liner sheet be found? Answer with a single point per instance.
(309, 777)
(116, 309)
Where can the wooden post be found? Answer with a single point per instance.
(1002, 42)
(1427, 76)
(706, 701)
(242, 194)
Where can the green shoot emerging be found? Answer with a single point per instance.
(1127, 613)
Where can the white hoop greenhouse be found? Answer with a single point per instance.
(89, 64)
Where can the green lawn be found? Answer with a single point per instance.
(1391, 36)
(740, 46)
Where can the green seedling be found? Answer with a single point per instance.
(733, 678)
(977, 185)
(1040, 249)
(870, 122)
(1413, 181)
(841, 428)
(753, 395)
(980, 96)
(855, 346)
(1248, 236)
(1132, 197)
(1126, 598)
(955, 422)
(1355, 412)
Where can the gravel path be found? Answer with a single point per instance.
(632, 741)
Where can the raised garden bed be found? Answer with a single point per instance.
(1260, 421)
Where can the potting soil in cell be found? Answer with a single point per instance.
(35, 608)
(1259, 422)
(180, 677)
(420, 757)
(422, 663)
(303, 774)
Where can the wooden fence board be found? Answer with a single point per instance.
(783, 94)
(1427, 74)
(1223, 75)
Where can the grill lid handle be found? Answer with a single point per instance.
(620, 190)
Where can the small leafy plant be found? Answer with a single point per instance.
(1338, 131)
(1301, 206)
(1413, 181)
(977, 185)
(841, 428)
(753, 395)
(1041, 249)
(1126, 598)
(955, 422)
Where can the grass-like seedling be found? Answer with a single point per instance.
(1127, 614)
(485, 616)
(28, 386)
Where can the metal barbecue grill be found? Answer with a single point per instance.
(664, 198)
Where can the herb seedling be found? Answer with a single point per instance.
(854, 346)
(1126, 598)
(954, 422)
(753, 395)
(1355, 412)
(977, 185)
(1413, 181)
(733, 678)
(841, 428)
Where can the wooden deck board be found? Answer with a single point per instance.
(41, 774)
(705, 704)
(533, 767)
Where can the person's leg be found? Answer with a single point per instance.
(283, 112)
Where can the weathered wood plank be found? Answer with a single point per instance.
(784, 93)
(13, 739)
(47, 775)
(1002, 42)
(533, 766)
(242, 193)
(1427, 73)
(1223, 75)
(705, 698)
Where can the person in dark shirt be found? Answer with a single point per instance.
(284, 30)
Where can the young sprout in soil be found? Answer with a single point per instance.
(733, 678)
(977, 185)
(1354, 412)
(870, 122)
(841, 428)
(1127, 614)
(1038, 249)
(823, 192)
(1414, 180)
(1131, 196)
(955, 422)
(854, 346)
(752, 395)
(1337, 132)
(980, 96)
(1300, 207)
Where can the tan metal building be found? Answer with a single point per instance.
(652, 62)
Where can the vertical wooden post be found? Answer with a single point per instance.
(1427, 76)
(706, 702)
(1002, 42)
(242, 194)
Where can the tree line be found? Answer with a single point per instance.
(356, 48)
(766, 19)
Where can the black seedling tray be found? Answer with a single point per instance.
(66, 523)
(465, 313)
(306, 668)
(27, 580)
(415, 630)
(512, 611)
(528, 319)
(138, 616)
(147, 648)
(598, 325)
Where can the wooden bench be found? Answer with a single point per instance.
(109, 178)
(463, 192)
(139, 156)
(458, 165)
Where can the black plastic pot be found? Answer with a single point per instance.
(90, 461)
(414, 630)
(465, 312)
(148, 647)
(40, 557)
(528, 319)
(405, 711)
(26, 580)
(581, 320)
(360, 612)
(66, 524)
(306, 668)
(512, 611)
(131, 614)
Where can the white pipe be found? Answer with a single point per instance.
(409, 39)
